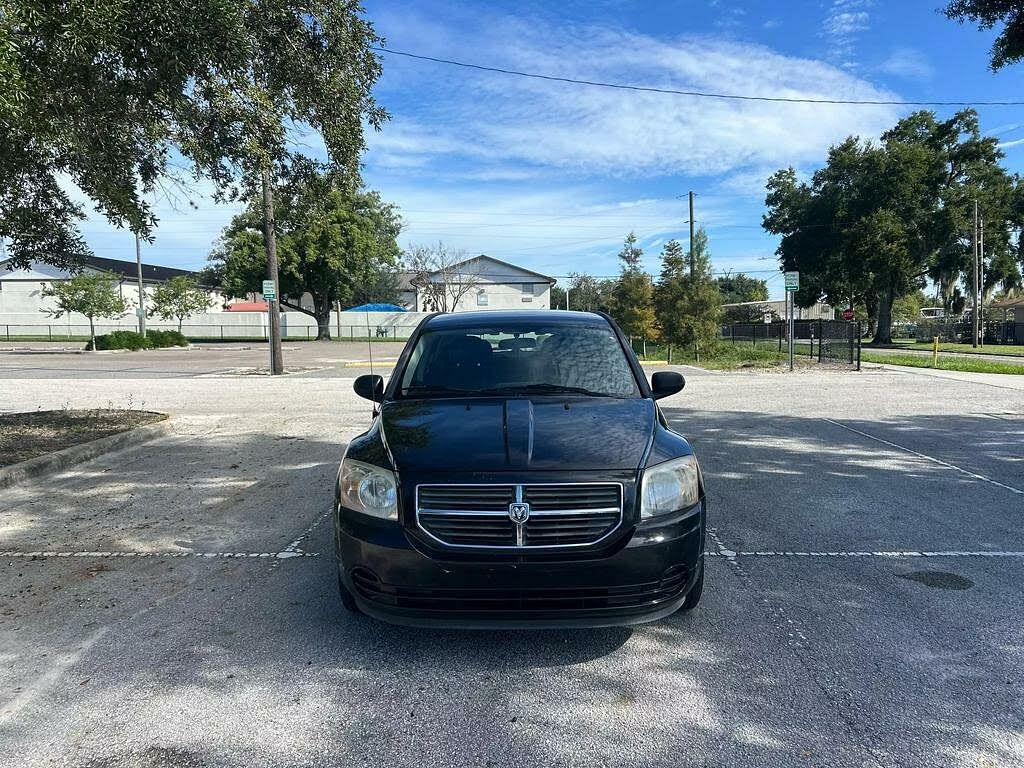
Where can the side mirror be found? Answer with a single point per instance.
(369, 386)
(665, 383)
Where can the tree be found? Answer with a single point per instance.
(220, 84)
(93, 295)
(879, 219)
(589, 294)
(740, 288)
(907, 309)
(1008, 48)
(329, 241)
(557, 297)
(688, 305)
(178, 298)
(378, 286)
(632, 295)
(441, 276)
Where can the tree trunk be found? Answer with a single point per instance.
(180, 321)
(323, 322)
(92, 334)
(883, 331)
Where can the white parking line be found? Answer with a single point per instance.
(728, 554)
(932, 459)
(286, 554)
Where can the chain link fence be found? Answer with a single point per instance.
(824, 341)
(208, 333)
(960, 331)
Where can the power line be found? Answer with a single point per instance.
(699, 94)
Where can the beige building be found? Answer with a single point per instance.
(482, 282)
(776, 310)
(21, 290)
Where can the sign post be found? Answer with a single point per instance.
(270, 294)
(792, 286)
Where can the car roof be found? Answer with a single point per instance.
(548, 317)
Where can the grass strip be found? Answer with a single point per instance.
(963, 364)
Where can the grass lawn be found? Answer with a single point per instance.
(24, 436)
(949, 346)
(965, 364)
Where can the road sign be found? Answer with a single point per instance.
(268, 290)
(847, 314)
(792, 281)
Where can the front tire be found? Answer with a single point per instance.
(347, 599)
(693, 596)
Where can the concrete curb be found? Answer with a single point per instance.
(52, 463)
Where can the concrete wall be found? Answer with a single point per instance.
(294, 325)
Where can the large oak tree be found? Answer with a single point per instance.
(113, 95)
(879, 219)
(331, 243)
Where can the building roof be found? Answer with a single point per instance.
(129, 269)
(1009, 303)
(405, 278)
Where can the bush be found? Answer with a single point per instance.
(157, 339)
(120, 340)
(134, 341)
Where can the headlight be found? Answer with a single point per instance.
(369, 489)
(669, 487)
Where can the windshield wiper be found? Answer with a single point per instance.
(437, 389)
(543, 389)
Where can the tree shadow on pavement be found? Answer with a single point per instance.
(787, 662)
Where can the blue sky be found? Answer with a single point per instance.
(552, 176)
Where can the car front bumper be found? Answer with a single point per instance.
(642, 580)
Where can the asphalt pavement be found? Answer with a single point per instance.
(174, 604)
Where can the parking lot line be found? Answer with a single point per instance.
(722, 552)
(283, 555)
(926, 457)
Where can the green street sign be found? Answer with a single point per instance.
(792, 281)
(268, 290)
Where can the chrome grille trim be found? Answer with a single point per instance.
(518, 534)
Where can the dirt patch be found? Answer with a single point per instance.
(25, 436)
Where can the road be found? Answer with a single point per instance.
(863, 603)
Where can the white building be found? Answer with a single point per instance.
(481, 282)
(21, 290)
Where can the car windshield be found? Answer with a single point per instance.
(518, 359)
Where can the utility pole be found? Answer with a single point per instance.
(270, 242)
(142, 291)
(981, 277)
(691, 233)
(974, 271)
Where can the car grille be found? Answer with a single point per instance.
(484, 600)
(561, 515)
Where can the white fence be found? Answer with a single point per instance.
(216, 325)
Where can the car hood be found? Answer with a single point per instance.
(494, 434)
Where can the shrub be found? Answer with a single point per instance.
(120, 340)
(166, 339)
(134, 341)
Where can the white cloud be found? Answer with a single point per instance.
(1008, 144)
(587, 130)
(907, 63)
(843, 23)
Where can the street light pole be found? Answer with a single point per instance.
(142, 291)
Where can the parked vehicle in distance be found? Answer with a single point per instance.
(518, 472)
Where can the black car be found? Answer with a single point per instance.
(518, 472)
